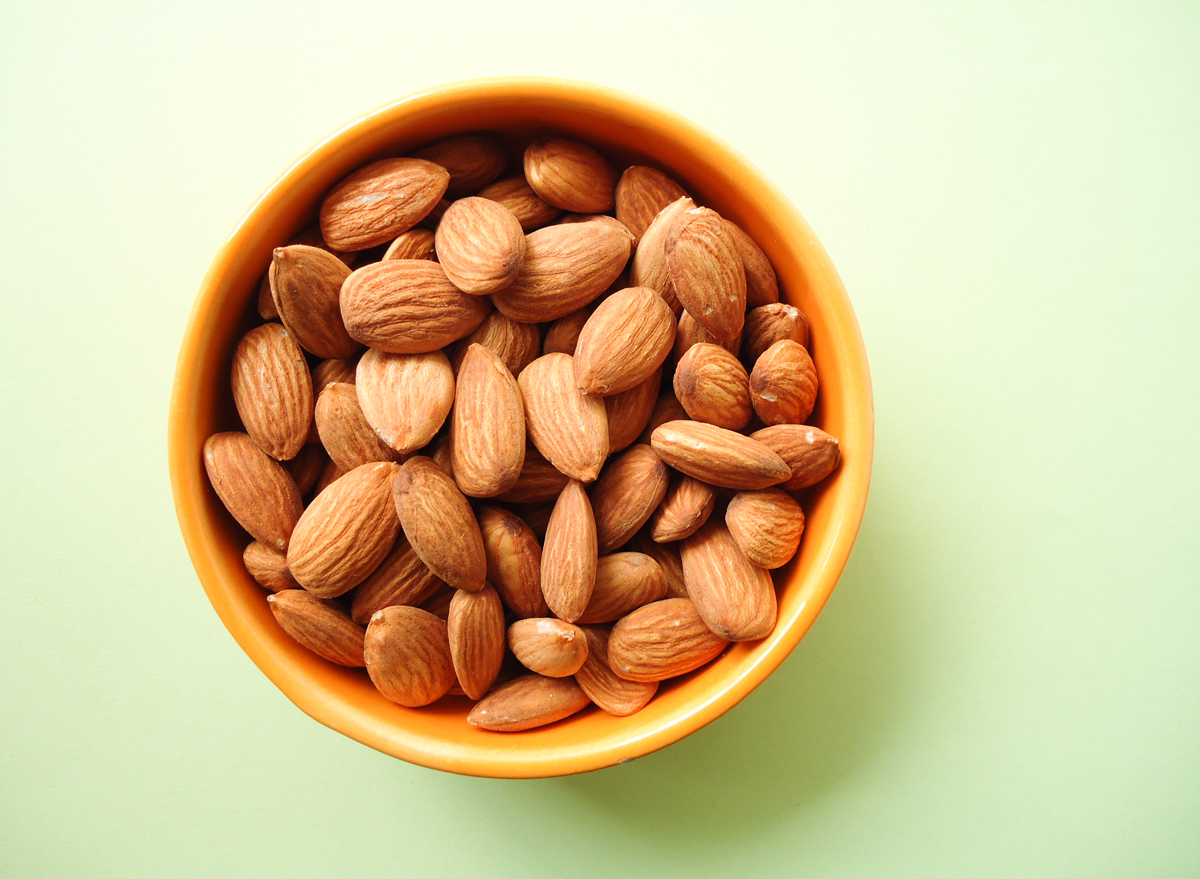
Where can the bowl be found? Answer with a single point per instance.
(628, 130)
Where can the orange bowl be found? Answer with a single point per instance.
(629, 130)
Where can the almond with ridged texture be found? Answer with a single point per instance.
(306, 467)
(475, 625)
(611, 222)
(712, 386)
(255, 488)
(487, 426)
(334, 370)
(514, 561)
(762, 286)
(480, 245)
(330, 474)
(517, 344)
(408, 306)
(378, 202)
(438, 451)
(769, 324)
(346, 531)
(413, 244)
(569, 429)
(661, 640)
(401, 578)
(268, 567)
(706, 272)
(473, 160)
(811, 453)
(272, 390)
(718, 456)
(734, 597)
(306, 285)
(570, 175)
(666, 408)
(407, 653)
(540, 481)
(686, 506)
(623, 499)
(405, 397)
(563, 334)
(626, 339)
(516, 194)
(565, 268)
(344, 431)
(641, 193)
(783, 384)
(691, 333)
(569, 554)
(613, 694)
(766, 525)
(548, 646)
(440, 524)
(629, 412)
(649, 265)
(266, 305)
(624, 582)
(320, 626)
(530, 701)
(438, 604)
(667, 556)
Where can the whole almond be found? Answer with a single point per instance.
(405, 397)
(268, 566)
(666, 408)
(378, 202)
(306, 285)
(413, 244)
(487, 426)
(344, 431)
(548, 646)
(629, 412)
(256, 489)
(562, 336)
(718, 456)
(686, 506)
(624, 582)
(480, 245)
(623, 499)
(766, 526)
(769, 324)
(407, 652)
(539, 481)
(516, 194)
(569, 429)
(812, 454)
(611, 222)
(401, 578)
(691, 333)
(570, 175)
(475, 625)
(641, 193)
(624, 342)
(706, 272)
(345, 532)
(661, 640)
(712, 386)
(517, 344)
(439, 523)
(613, 694)
(272, 390)
(320, 626)
(735, 597)
(667, 556)
(649, 266)
(783, 384)
(306, 467)
(514, 561)
(473, 161)
(408, 306)
(762, 286)
(527, 702)
(569, 554)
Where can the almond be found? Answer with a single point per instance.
(570, 175)
(611, 222)
(691, 333)
(516, 194)
(569, 429)
(649, 266)
(439, 523)
(613, 694)
(624, 342)
(718, 456)
(413, 244)
(783, 384)
(666, 408)
(311, 236)
(626, 495)
(475, 626)
(812, 454)
(624, 582)
(333, 370)
(344, 430)
(769, 324)
(766, 526)
(562, 336)
(439, 452)
(539, 481)
(661, 640)
(735, 598)
(473, 161)
(514, 561)
(268, 566)
(641, 193)
(569, 554)
(527, 702)
(306, 284)
(686, 506)
(401, 578)
(762, 287)
(431, 220)
(307, 465)
(405, 397)
(408, 306)
(712, 386)
(438, 604)
(345, 532)
(629, 412)
(266, 305)
(537, 517)
(487, 426)
(272, 390)
(320, 626)
(480, 245)
(706, 272)
(517, 344)
(667, 556)
(330, 474)
(549, 647)
(407, 653)
(378, 202)
(256, 490)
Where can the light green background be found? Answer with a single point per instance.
(1006, 681)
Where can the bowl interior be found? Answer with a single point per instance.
(628, 131)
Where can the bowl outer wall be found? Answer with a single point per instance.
(630, 130)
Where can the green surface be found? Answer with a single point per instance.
(1006, 681)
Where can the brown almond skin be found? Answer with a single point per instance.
(762, 286)
(344, 431)
(686, 506)
(540, 481)
(691, 333)
(438, 604)
(562, 336)
(641, 193)
(408, 306)
(487, 426)
(473, 160)
(718, 456)
(266, 305)
(706, 272)
(569, 554)
(475, 625)
(666, 408)
(734, 597)
(613, 694)
(515, 343)
(629, 412)
(379, 201)
(527, 702)
(769, 324)
(516, 194)
(548, 646)
(661, 640)
(480, 245)
(440, 524)
(330, 474)
(256, 489)
(570, 175)
(413, 244)
(268, 567)
(626, 495)
(320, 626)
(407, 653)
(811, 453)
(667, 556)
(439, 452)
(345, 532)
(624, 582)
(766, 526)
(626, 339)
(569, 429)
(306, 467)
(712, 386)
(306, 285)
(649, 265)
(430, 220)
(514, 561)
(401, 578)
(341, 369)
(272, 390)
(783, 384)
(405, 397)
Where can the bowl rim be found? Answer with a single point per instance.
(853, 476)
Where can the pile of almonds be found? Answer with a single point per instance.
(511, 490)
